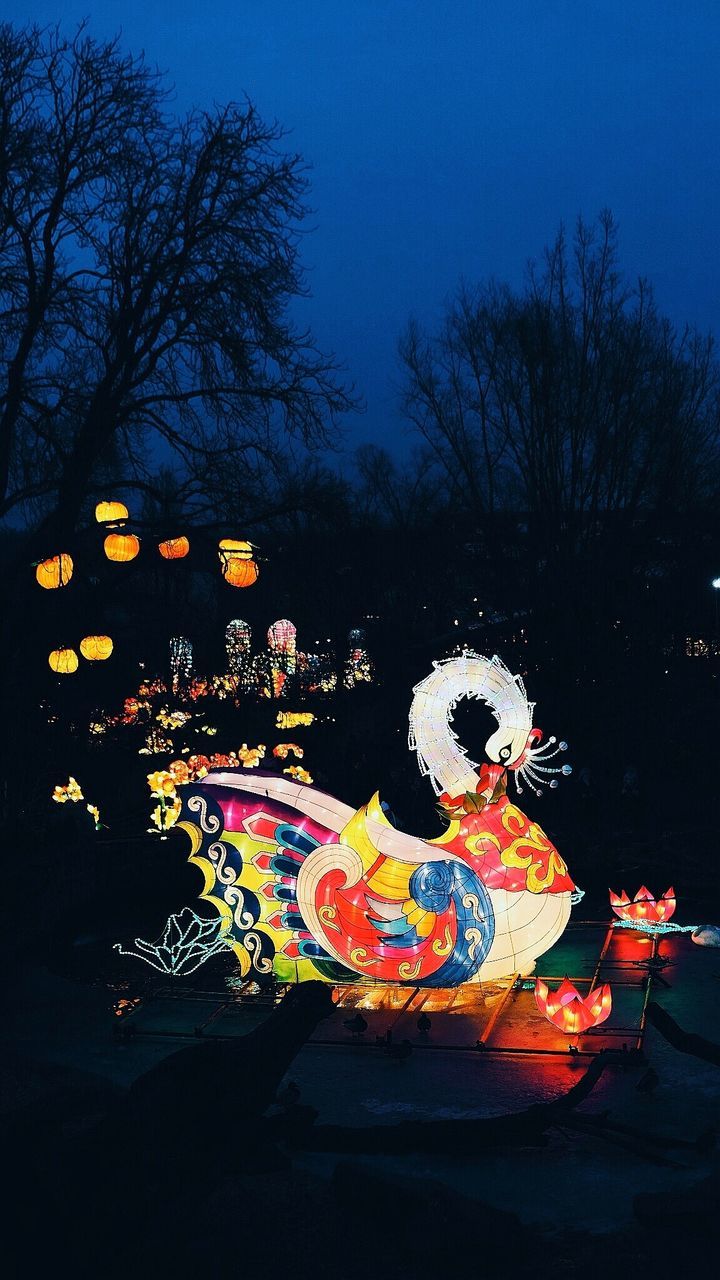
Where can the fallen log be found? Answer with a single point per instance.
(456, 1137)
(684, 1041)
(165, 1143)
(214, 1093)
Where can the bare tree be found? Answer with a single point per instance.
(573, 400)
(146, 267)
(401, 495)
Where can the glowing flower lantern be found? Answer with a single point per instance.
(238, 567)
(644, 908)
(283, 750)
(96, 648)
(299, 774)
(122, 547)
(174, 548)
(571, 1012)
(112, 514)
(55, 572)
(293, 719)
(64, 662)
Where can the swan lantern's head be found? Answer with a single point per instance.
(514, 745)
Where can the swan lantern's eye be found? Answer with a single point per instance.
(505, 753)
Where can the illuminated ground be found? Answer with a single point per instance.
(351, 1081)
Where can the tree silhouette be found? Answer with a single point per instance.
(146, 267)
(572, 400)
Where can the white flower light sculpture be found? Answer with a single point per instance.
(188, 940)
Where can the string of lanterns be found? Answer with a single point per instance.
(237, 563)
(65, 662)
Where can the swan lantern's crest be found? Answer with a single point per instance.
(308, 886)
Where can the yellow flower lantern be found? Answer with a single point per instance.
(174, 548)
(121, 547)
(55, 572)
(113, 514)
(96, 648)
(63, 661)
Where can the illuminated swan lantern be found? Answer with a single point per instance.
(309, 887)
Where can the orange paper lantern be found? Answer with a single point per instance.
(644, 908)
(568, 1010)
(121, 547)
(63, 661)
(240, 573)
(55, 572)
(174, 548)
(113, 514)
(96, 648)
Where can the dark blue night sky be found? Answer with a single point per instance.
(450, 139)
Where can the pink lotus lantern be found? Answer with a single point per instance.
(644, 908)
(568, 1010)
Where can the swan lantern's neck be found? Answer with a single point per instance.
(442, 758)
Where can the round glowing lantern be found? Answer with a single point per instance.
(174, 548)
(240, 573)
(121, 546)
(234, 549)
(63, 661)
(112, 514)
(239, 568)
(96, 648)
(55, 572)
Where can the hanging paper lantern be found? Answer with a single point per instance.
(240, 573)
(568, 1010)
(238, 567)
(63, 661)
(55, 572)
(644, 908)
(233, 549)
(96, 648)
(112, 514)
(174, 548)
(122, 546)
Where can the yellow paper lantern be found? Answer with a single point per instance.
(96, 648)
(174, 548)
(55, 572)
(113, 514)
(241, 573)
(121, 546)
(63, 661)
(233, 549)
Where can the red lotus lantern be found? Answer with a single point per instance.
(644, 908)
(568, 1010)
